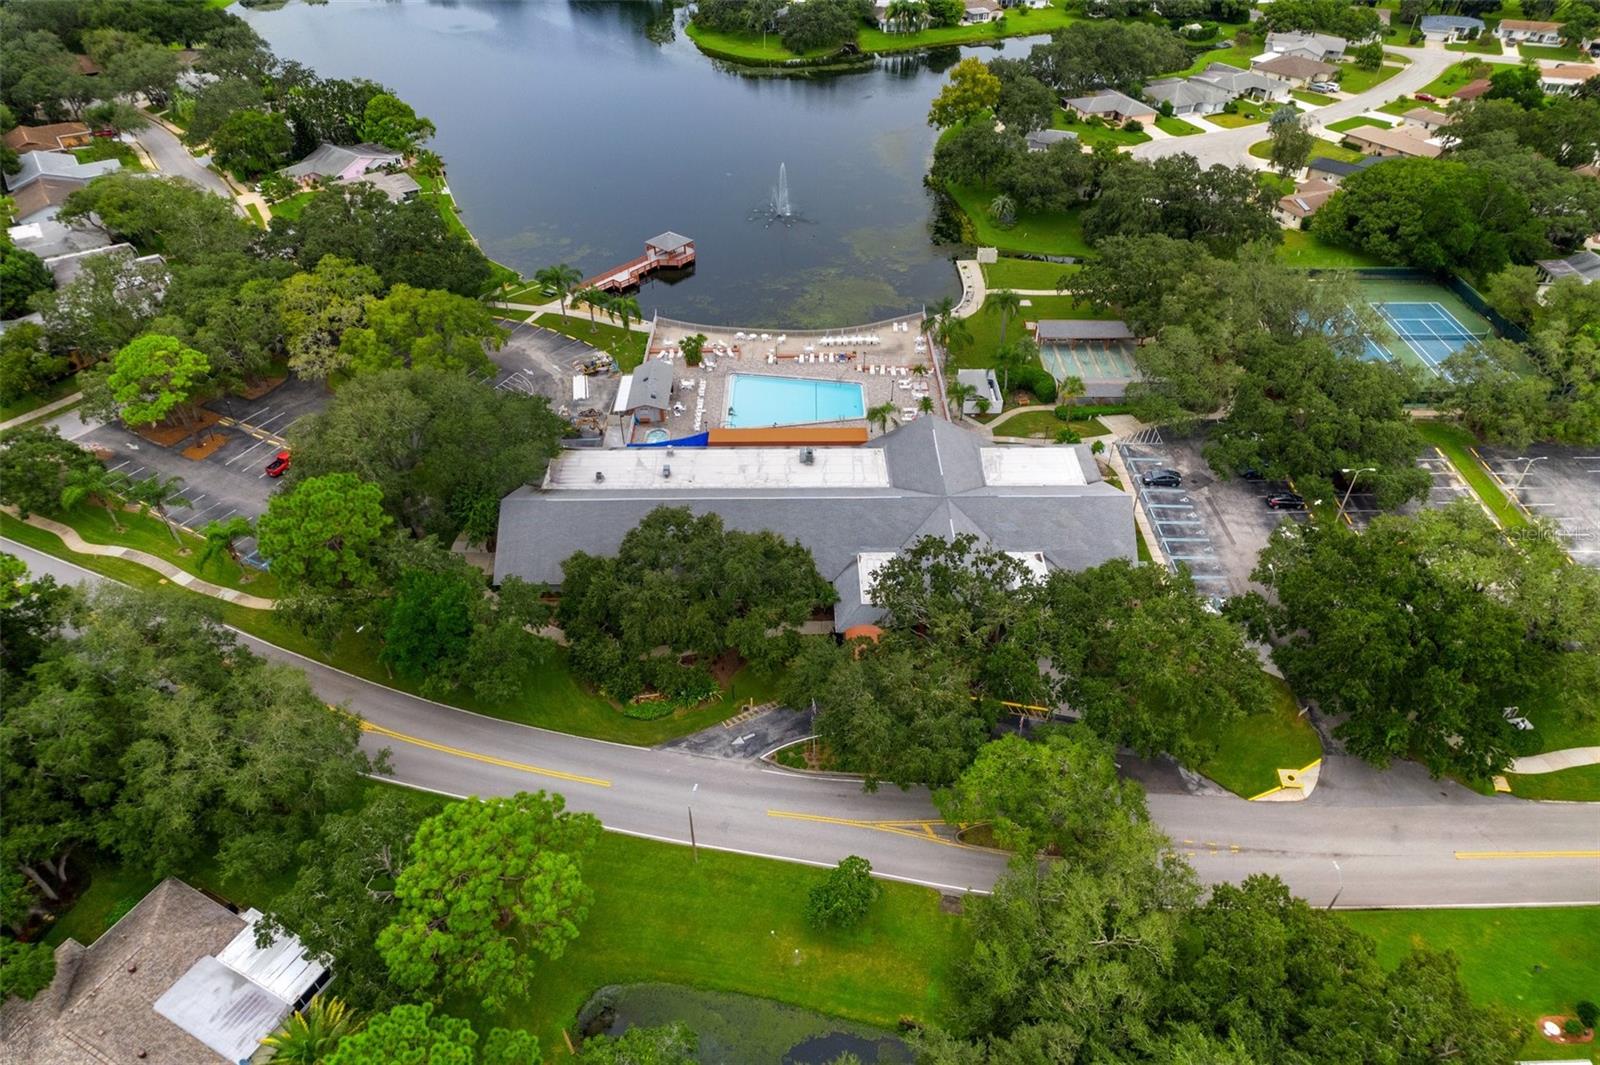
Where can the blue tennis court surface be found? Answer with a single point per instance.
(1426, 330)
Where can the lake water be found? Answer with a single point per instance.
(570, 135)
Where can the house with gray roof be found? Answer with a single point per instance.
(1242, 84)
(1111, 105)
(63, 166)
(646, 394)
(1041, 139)
(398, 187)
(1583, 265)
(1450, 27)
(1334, 171)
(852, 507)
(178, 980)
(1187, 96)
(49, 238)
(1293, 69)
(341, 162)
(1324, 47)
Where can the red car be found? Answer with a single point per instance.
(279, 463)
(1426, 97)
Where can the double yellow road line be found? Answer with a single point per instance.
(486, 759)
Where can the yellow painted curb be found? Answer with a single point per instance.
(1288, 780)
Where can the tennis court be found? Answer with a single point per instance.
(1426, 324)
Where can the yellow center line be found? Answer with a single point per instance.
(1481, 855)
(367, 726)
(922, 830)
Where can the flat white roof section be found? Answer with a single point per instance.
(868, 563)
(580, 388)
(624, 393)
(224, 1010)
(1031, 467)
(281, 967)
(730, 467)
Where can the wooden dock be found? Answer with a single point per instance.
(669, 251)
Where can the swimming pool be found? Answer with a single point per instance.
(758, 400)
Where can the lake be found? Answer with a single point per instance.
(571, 135)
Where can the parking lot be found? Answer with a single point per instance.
(1560, 485)
(1214, 527)
(230, 481)
(539, 362)
(1361, 507)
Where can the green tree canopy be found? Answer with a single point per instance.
(318, 308)
(1223, 208)
(971, 91)
(415, 1033)
(670, 1044)
(415, 328)
(22, 273)
(326, 533)
(844, 897)
(250, 143)
(154, 378)
(36, 465)
(390, 121)
(1091, 55)
(488, 886)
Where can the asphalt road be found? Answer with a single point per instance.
(1393, 843)
(174, 160)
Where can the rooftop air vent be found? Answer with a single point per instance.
(599, 476)
(808, 457)
(666, 471)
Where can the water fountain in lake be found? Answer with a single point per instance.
(779, 209)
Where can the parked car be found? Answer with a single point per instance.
(278, 465)
(1324, 86)
(1250, 473)
(1286, 501)
(1162, 478)
(1426, 97)
(107, 133)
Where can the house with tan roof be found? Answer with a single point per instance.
(1564, 78)
(1112, 106)
(1427, 118)
(1471, 90)
(1293, 210)
(1410, 141)
(48, 138)
(1528, 31)
(1296, 70)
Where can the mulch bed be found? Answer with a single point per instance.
(1563, 1038)
(257, 391)
(164, 435)
(206, 446)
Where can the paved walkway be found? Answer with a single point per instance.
(70, 537)
(41, 411)
(1555, 761)
(973, 291)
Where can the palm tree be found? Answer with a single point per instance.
(592, 297)
(1006, 303)
(428, 163)
(626, 310)
(880, 416)
(158, 493)
(1016, 355)
(558, 279)
(959, 394)
(220, 537)
(309, 1036)
(94, 480)
(1003, 209)
(925, 404)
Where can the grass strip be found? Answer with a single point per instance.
(1456, 444)
(1246, 753)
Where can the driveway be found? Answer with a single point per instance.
(1230, 147)
(174, 160)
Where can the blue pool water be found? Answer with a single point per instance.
(757, 400)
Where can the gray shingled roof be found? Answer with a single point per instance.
(1184, 92)
(1583, 264)
(668, 241)
(1083, 329)
(936, 485)
(1450, 22)
(63, 165)
(1041, 139)
(1109, 101)
(652, 385)
(330, 160)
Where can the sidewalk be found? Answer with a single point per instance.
(41, 411)
(1555, 761)
(70, 537)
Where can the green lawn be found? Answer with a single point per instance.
(1141, 549)
(291, 206)
(1234, 56)
(1565, 712)
(1246, 754)
(1043, 425)
(1041, 233)
(102, 148)
(1090, 134)
(1306, 96)
(53, 391)
(1022, 273)
(1486, 44)
(148, 533)
(734, 923)
(1330, 150)
(1176, 126)
(624, 345)
(1345, 125)
(255, 215)
(1248, 114)
(1456, 443)
(1534, 961)
(1568, 785)
(1354, 79)
(746, 47)
(1452, 79)
(1302, 249)
(985, 327)
(1566, 55)
(1016, 23)
(551, 696)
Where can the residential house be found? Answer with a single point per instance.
(1334, 171)
(1411, 141)
(48, 138)
(341, 162)
(1527, 31)
(1112, 106)
(979, 11)
(398, 187)
(1471, 90)
(1293, 210)
(1564, 78)
(1450, 27)
(1188, 96)
(178, 980)
(49, 238)
(1041, 139)
(1324, 47)
(1294, 70)
(1427, 118)
(41, 199)
(1243, 84)
(45, 180)
(984, 385)
(1583, 265)
(854, 508)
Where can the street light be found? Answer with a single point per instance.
(1339, 892)
(1352, 486)
(1527, 465)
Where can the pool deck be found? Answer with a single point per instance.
(795, 353)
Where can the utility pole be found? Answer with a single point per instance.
(694, 848)
(1352, 486)
(1339, 892)
(1527, 464)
